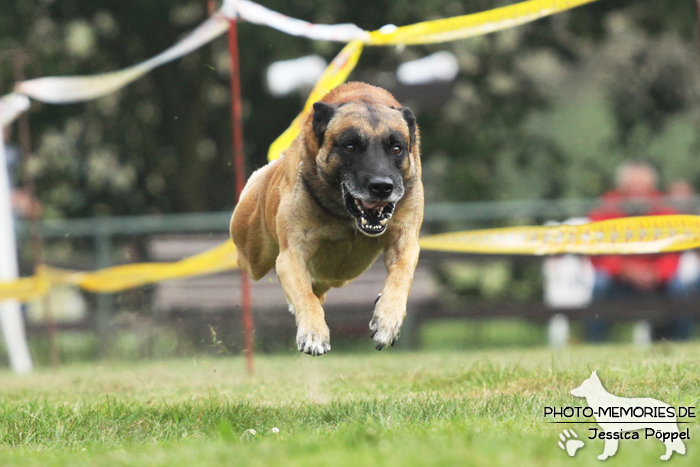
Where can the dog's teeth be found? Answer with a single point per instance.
(383, 221)
(364, 221)
(357, 203)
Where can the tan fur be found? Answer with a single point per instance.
(277, 223)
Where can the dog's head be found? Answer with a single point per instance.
(367, 147)
(589, 387)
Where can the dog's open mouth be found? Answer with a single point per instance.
(371, 216)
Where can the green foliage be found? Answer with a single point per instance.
(543, 110)
(499, 279)
(482, 334)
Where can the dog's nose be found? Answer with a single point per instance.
(381, 187)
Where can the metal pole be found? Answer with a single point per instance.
(239, 168)
(11, 320)
(105, 301)
(35, 236)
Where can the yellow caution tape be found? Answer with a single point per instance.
(477, 24)
(428, 32)
(625, 236)
(335, 75)
(219, 259)
(118, 278)
(25, 289)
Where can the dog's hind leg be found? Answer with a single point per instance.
(610, 449)
(257, 250)
(320, 291)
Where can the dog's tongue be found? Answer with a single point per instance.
(372, 204)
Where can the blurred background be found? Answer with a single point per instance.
(521, 127)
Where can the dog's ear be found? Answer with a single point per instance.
(411, 121)
(594, 375)
(323, 113)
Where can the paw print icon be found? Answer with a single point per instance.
(570, 442)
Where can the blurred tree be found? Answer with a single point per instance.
(543, 110)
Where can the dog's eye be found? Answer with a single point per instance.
(349, 148)
(396, 149)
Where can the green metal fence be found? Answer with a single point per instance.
(438, 216)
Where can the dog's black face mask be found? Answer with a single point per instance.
(368, 150)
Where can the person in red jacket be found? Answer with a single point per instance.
(636, 194)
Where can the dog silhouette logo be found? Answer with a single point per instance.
(618, 417)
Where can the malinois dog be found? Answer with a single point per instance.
(348, 189)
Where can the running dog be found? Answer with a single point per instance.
(347, 190)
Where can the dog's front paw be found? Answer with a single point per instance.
(385, 327)
(314, 342)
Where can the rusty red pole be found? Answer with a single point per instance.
(239, 168)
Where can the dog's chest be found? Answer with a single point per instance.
(343, 260)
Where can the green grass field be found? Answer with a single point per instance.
(480, 408)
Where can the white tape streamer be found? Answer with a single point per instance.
(258, 14)
(69, 89)
(11, 105)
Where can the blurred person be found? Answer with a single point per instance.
(681, 189)
(636, 194)
(24, 204)
(681, 196)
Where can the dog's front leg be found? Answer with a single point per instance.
(400, 258)
(313, 336)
